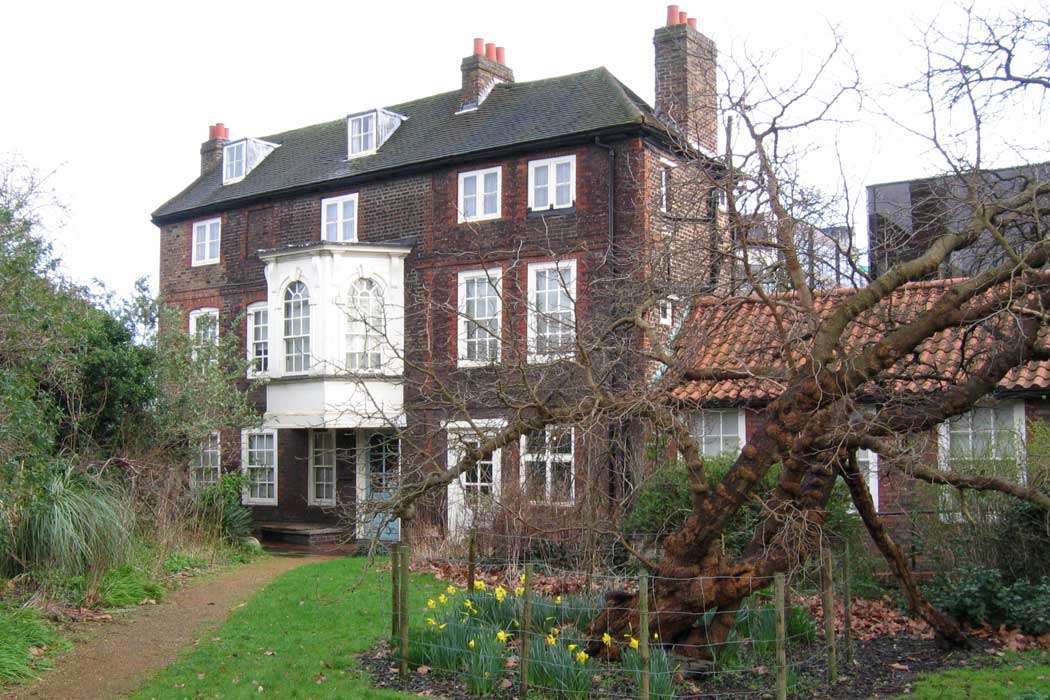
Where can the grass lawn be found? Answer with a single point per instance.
(294, 639)
(1013, 677)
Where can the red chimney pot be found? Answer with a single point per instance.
(218, 131)
(672, 15)
(501, 55)
(479, 46)
(692, 22)
(490, 52)
(683, 17)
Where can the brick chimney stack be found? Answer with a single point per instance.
(686, 79)
(481, 71)
(211, 150)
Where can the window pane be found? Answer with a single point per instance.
(563, 176)
(536, 479)
(561, 482)
(540, 196)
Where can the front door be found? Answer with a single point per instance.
(473, 496)
(379, 468)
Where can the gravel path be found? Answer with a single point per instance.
(111, 659)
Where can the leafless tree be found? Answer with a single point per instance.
(840, 370)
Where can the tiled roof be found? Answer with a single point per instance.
(513, 114)
(736, 345)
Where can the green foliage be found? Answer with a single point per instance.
(978, 595)
(219, 508)
(661, 675)
(1012, 677)
(559, 670)
(127, 586)
(483, 662)
(663, 503)
(73, 525)
(23, 628)
(177, 562)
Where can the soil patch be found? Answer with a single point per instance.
(883, 666)
(113, 658)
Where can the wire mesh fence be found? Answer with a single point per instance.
(518, 617)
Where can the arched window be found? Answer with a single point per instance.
(297, 328)
(366, 328)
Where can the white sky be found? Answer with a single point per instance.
(117, 97)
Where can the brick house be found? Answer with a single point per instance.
(365, 261)
(725, 339)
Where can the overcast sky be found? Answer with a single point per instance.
(116, 98)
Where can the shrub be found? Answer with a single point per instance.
(978, 595)
(178, 562)
(74, 525)
(20, 630)
(220, 508)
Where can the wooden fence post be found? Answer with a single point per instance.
(643, 629)
(403, 608)
(780, 601)
(847, 613)
(395, 588)
(828, 584)
(526, 617)
(472, 558)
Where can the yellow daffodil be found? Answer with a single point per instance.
(431, 604)
(451, 590)
(443, 625)
(501, 594)
(522, 578)
(552, 640)
(431, 621)
(442, 599)
(471, 644)
(634, 643)
(515, 623)
(582, 657)
(606, 639)
(557, 600)
(572, 647)
(555, 631)
(479, 585)
(519, 591)
(468, 603)
(502, 636)
(656, 636)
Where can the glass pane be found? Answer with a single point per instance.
(490, 183)
(539, 194)
(536, 479)
(561, 482)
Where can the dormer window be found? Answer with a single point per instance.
(362, 134)
(233, 162)
(368, 131)
(240, 158)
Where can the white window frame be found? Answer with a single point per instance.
(246, 497)
(304, 358)
(665, 177)
(374, 116)
(340, 220)
(665, 309)
(944, 459)
(552, 195)
(549, 458)
(871, 476)
(194, 316)
(229, 178)
(495, 277)
(532, 332)
(250, 343)
(701, 437)
(202, 231)
(312, 498)
(198, 467)
(365, 329)
(479, 195)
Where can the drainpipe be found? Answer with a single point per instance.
(611, 197)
